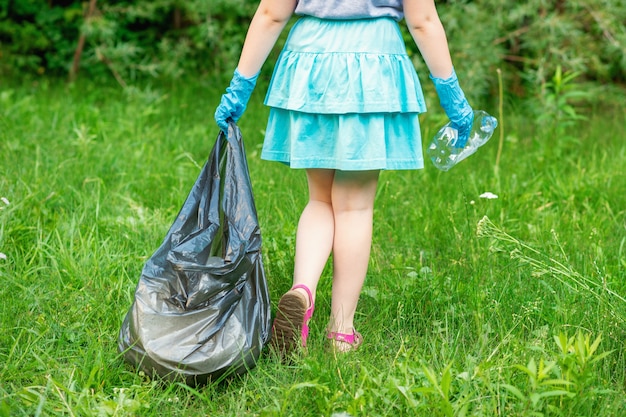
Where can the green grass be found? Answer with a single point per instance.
(505, 307)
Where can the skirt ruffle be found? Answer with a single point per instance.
(348, 142)
(353, 66)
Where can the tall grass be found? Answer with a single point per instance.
(509, 307)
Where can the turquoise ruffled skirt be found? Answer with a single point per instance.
(344, 95)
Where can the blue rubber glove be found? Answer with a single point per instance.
(454, 103)
(235, 100)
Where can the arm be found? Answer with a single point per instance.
(430, 37)
(265, 28)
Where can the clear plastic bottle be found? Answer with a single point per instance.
(442, 150)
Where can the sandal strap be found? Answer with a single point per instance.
(353, 339)
(306, 289)
(307, 314)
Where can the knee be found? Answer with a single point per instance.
(352, 205)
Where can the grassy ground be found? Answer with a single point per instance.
(485, 307)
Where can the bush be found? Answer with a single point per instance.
(127, 39)
(528, 41)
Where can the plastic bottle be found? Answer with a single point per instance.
(442, 150)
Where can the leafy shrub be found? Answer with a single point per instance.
(123, 38)
(527, 41)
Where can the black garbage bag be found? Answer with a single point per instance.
(201, 307)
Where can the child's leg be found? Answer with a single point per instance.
(353, 196)
(314, 239)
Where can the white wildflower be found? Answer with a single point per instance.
(483, 227)
(2, 256)
(488, 195)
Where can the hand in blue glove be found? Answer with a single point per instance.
(235, 100)
(454, 103)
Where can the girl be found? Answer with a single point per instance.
(344, 103)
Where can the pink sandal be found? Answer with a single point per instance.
(343, 342)
(292, 319)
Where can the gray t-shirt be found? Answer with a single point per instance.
(350, 9)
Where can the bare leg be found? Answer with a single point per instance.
(353, 196)
(314, 239)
